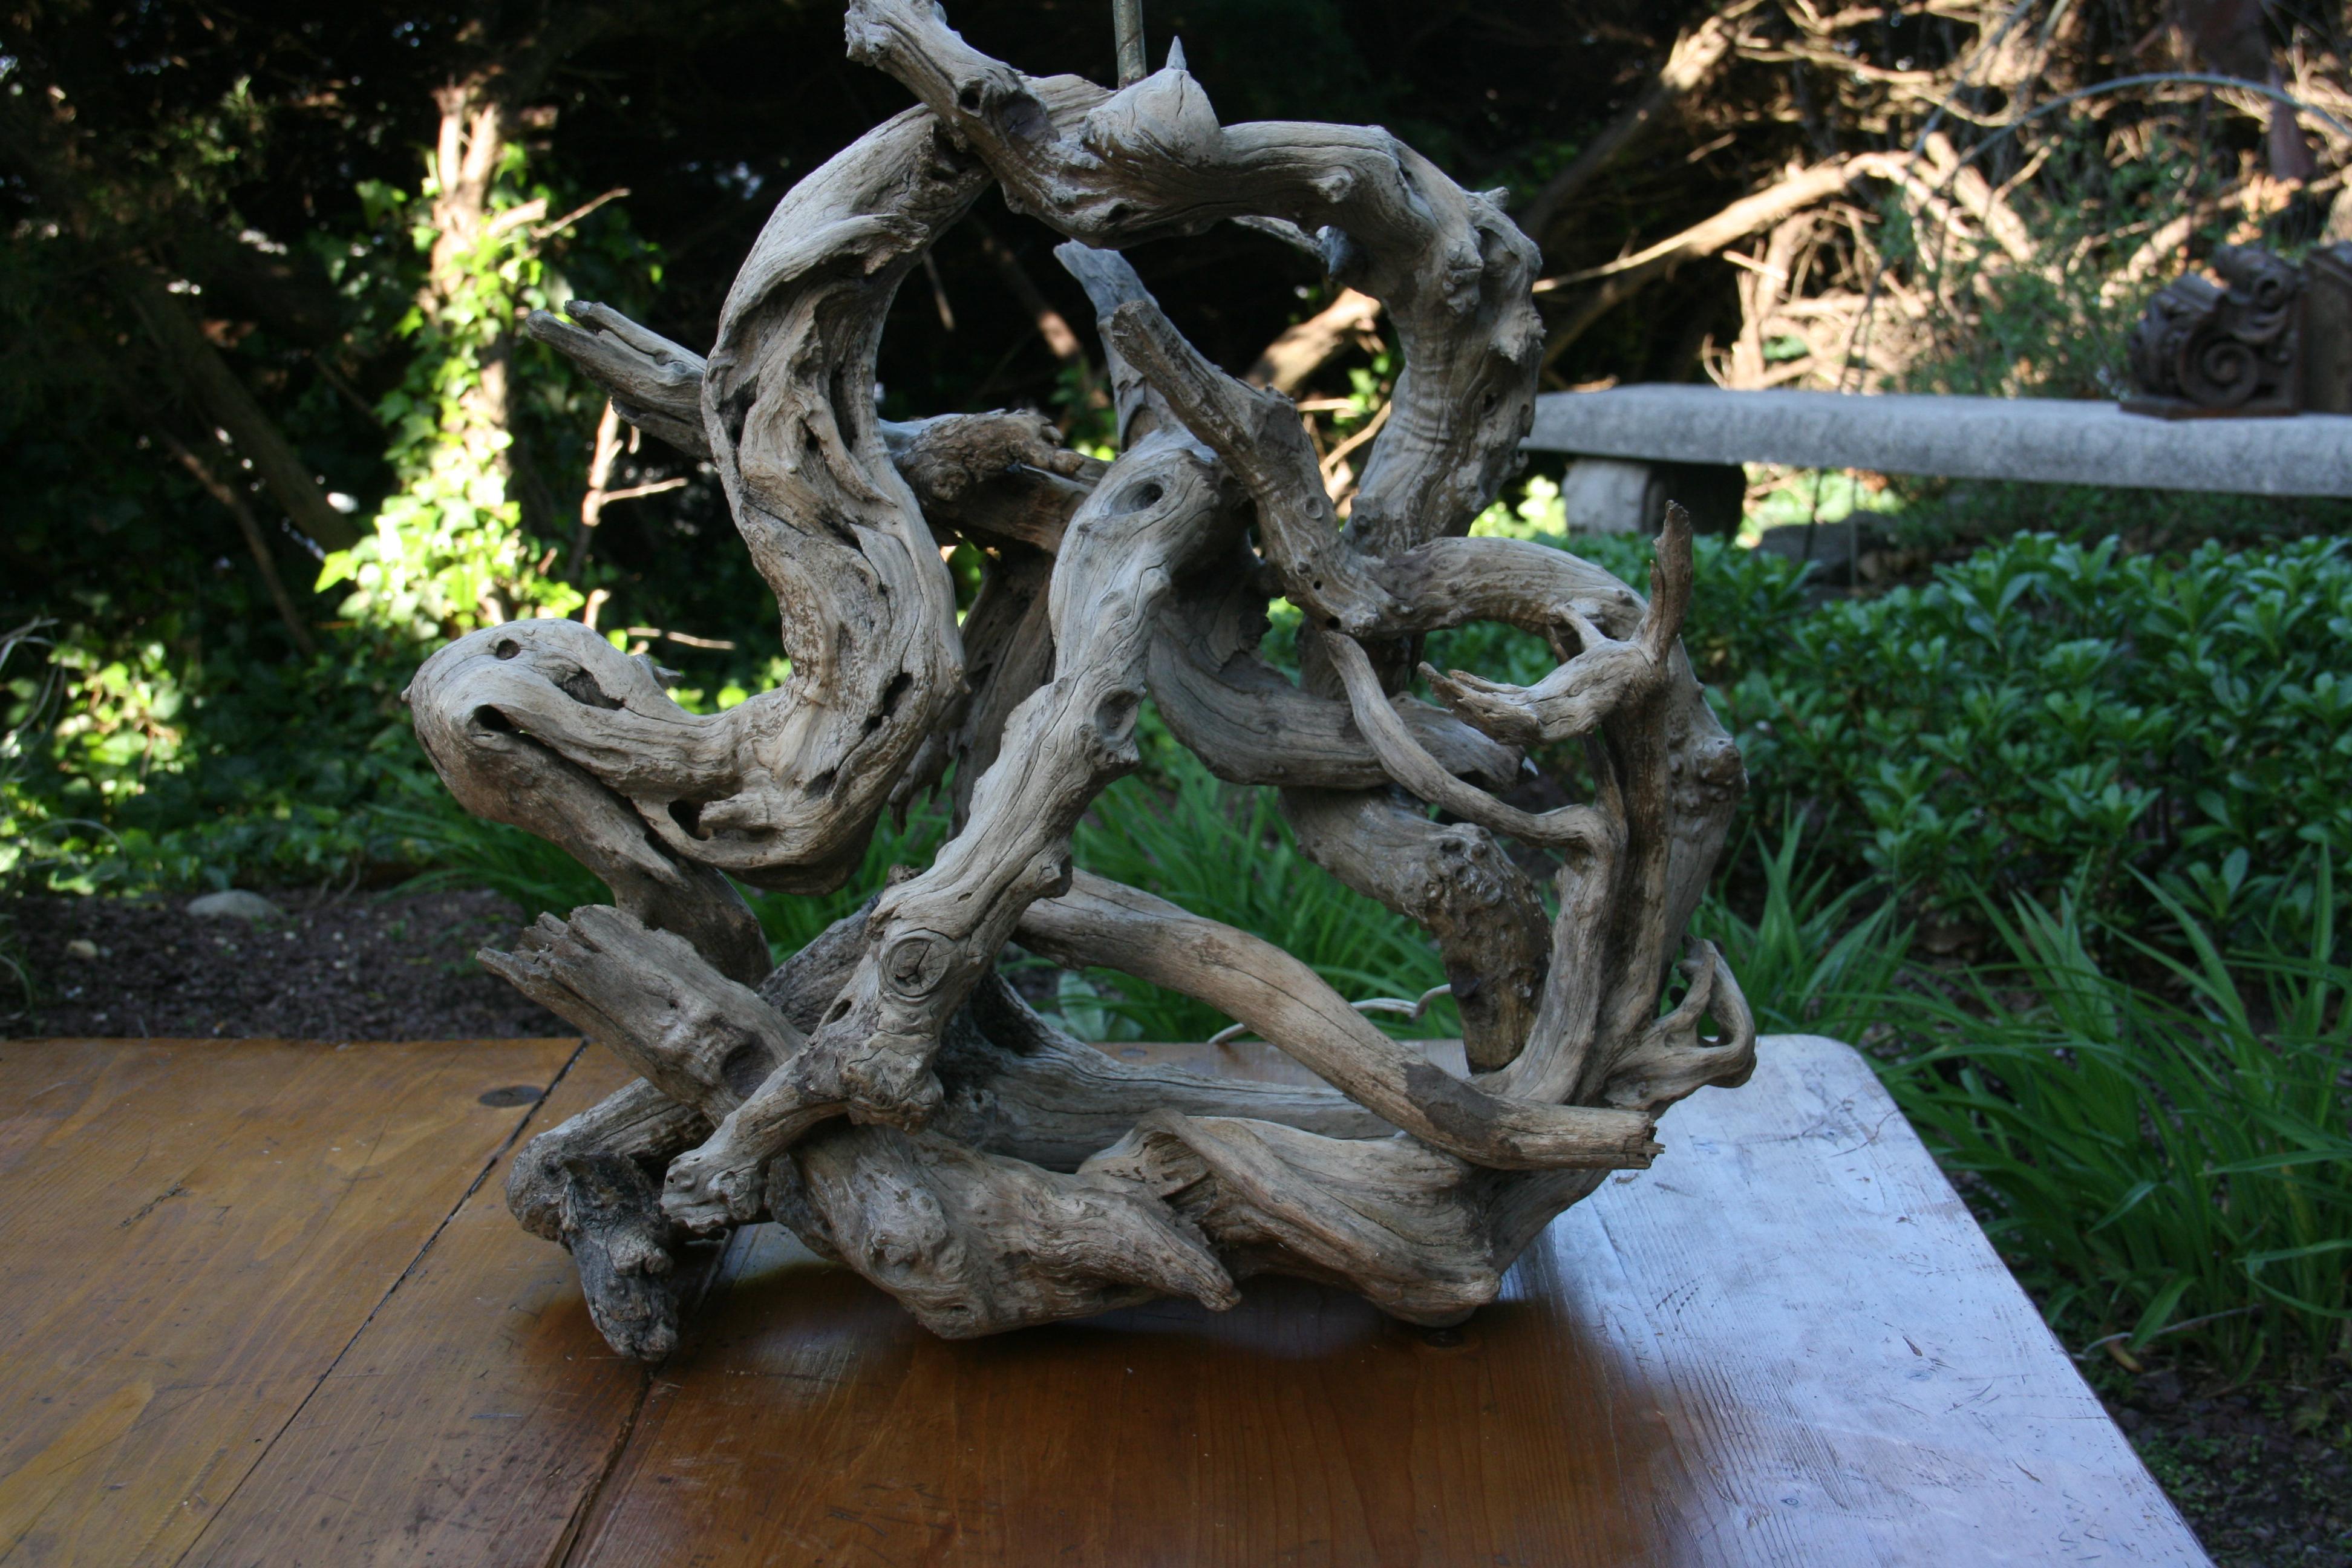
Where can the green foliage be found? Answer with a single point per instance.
(1821, 496)
(1949, 517)
(2048, 719)
(1815, 959)
(449, 550)
(181, 765)
(191, 746)
(2152, 1165)
(29, 837)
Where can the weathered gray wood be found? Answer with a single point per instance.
(1854, 1375)
(883, 1093)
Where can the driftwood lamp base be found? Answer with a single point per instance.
(884, 1094)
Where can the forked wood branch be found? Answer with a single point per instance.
(884, 1091)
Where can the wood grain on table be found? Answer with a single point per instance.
(194, 1233)
(1788, 1344)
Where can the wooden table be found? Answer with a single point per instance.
(264, 1306)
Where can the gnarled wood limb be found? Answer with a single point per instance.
(971, 1244)
(884, 1092)
(1161, 509)
(999, 479)
(655, 384)
(971, 1227)
(480, 707)
(1403, 758)
(1150, 160)
(783, 789)
(1250, 980)
(1253, 725)
(1456, 880)
(620, 1244)
(568, 1185)
(998, 475)
(1424, 1236)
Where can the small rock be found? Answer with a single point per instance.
(236, 902)
(81, 947)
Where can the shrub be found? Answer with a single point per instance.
(2047, 718)
(2044, 718)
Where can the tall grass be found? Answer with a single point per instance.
(2162, 1153)
(1811, 961)
(2172, 1160)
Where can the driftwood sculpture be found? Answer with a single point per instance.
(885, 1093)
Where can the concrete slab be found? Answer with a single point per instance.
(2043, 439)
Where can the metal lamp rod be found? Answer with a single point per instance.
(1127, 25)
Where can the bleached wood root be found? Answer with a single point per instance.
(1455, 879)
(1286, 1003)
(884, 1091)
(975, 1244)
(1424, 1235)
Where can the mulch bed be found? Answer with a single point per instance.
(335, 967)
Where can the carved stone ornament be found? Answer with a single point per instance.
(2205, 349)
(885, 1093)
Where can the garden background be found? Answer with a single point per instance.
(2050, 786)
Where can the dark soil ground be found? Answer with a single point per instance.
(2263, 1472)
(336, 967)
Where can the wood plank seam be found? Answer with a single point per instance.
(522, 1125)
(560, 1555)
(577, 1537)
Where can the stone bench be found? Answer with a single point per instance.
(264, 1306)
(1636, 443)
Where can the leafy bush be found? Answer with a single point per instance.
(169, 767)
(2048, 717)
(1949, 516)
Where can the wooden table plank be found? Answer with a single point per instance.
(1839, 1348)
(194, 1231)
(471, 1420)
(1786, 1345)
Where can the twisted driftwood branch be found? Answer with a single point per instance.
(885, 1093)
